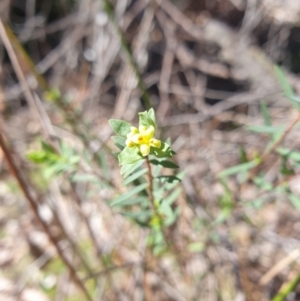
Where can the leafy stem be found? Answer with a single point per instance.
(150, 177)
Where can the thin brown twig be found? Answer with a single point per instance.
(15, 171)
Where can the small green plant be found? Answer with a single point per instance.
(150, 202)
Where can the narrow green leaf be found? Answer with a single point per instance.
(287, 288)
(265, 129)
(135, 176)
(128, 169)
(166, 210)
(289, 153)
(37, 156)
(164, 163)
(170, 186)
(265, 113)
(172, 218)
(159, 193)
(295, 200)
(262, 183)
(238, 168)
(120, 127)
(117, 201)
(132, 201)
(138, 215)
(168, 179)
(172, 197)
(286, 87)
(48, 148)
(101, 158)
(243, 155)
(129, 155)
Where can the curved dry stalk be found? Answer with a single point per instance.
(16, 172)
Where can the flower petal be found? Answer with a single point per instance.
(155, 143)
(129, 142)
(145, 149)
(133, 130)
(147, 133)
(137, 138)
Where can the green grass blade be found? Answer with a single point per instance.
(135, 176)
(118, 201)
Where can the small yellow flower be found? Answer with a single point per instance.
(133, 131)
(143, 138)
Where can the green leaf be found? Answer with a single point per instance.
(289, 154)
(163, 152)
(37, 156)
(172, 197)
(295, 200)
(266, 129)
(243, 155)
(128, 169)
(164, 163)
(180, 176)
(151, 114)
(165, 209)
(48, 148)
(132, 201)
(135, 176)
(168, 179)
(120, 127)
(117, 201)
(265, 113)
(262, 183)
(172, 218)
(286, 87)
(101, 158)
(159, 193)
(146, 120)
(129, 155)
(238, 168)
(119, 142)
(42, 156)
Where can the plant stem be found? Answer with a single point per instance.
(150, 177)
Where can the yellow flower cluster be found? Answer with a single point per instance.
(143, 138)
